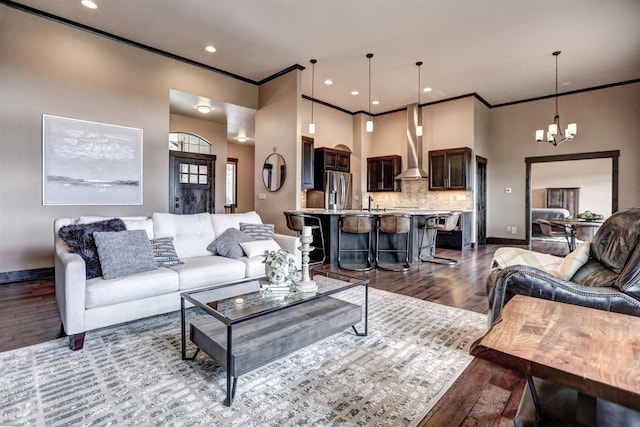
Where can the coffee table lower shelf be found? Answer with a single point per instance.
(261, 340)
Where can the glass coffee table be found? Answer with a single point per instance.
(244, 332)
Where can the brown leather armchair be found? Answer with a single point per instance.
(610, 280)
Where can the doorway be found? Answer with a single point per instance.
(481, 200)
(191, 182)
(614, 155)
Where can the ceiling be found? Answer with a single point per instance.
(499, 49)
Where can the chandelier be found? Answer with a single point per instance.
(312, 125)
(554, 134)
(369, 124)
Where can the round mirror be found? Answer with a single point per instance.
(274, 171)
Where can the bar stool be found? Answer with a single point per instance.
(444, 222)
(355, 225)
(295, 222)
(393, 225)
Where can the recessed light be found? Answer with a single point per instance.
(426, 89)
(89, 4)
(210, 49)
(328, 82)
(204, 109)
(376, 102)
(355, 92)
(242, 139)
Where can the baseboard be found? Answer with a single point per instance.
(503, 241)
(26, 275)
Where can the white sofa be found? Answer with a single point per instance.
(87, 304)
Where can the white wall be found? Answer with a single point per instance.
(50, 68)
(278, 126)
(607, 120)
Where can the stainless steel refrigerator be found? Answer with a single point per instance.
(337, 190)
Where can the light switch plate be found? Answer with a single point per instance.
(262, 196)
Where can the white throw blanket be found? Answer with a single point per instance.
(563, 268)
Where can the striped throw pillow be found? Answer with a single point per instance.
(164, 252)
(258, 231)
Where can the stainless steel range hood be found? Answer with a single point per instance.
(414, 146)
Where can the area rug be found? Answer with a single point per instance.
(132, 374)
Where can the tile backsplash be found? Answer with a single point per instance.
(415, 194)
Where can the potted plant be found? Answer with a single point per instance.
(280, 269)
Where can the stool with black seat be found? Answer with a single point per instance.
(357, 227)
(295, 222)
(390, 228)
(429, 233)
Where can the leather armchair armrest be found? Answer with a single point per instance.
(524, 280)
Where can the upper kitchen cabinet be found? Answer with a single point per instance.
(329, 159)
(381, 172)
(307, 162)
(450, 169)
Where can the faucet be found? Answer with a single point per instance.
(370, 202)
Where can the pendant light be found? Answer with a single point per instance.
(419, 126)
(554, 128)
(369, 125)
(312, 125)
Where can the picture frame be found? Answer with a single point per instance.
(90, 163)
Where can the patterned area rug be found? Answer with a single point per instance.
(133, 374)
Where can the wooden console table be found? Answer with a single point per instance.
(592, 351)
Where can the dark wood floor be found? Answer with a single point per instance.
(484, 395)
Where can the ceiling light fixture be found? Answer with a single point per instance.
(419, 125)
(328, 82)
(355, 92)
(204, 109)
(89, 4)
(242, 139)
(312, 125)
(210, 49)
(554, 128)
(369, 125)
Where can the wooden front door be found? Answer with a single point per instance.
(191, 182)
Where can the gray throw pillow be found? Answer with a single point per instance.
(164, 252)
(124, 252)
(258, 231)
(228, 243)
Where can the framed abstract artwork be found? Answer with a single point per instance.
(90, 163)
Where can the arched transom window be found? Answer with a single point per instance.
(188, 142)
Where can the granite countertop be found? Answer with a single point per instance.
(408, 211)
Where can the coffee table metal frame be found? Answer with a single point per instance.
(323, 292)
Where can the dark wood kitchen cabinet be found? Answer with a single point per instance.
(307, 162)
(381, 172)
(329, 159)
(450, 169)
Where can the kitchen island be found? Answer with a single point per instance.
(330, 224)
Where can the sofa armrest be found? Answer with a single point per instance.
(502, 285)
(291, 244)
(70, 277)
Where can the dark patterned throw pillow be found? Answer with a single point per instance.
(258, 231)
(164, 252)
(79, 238)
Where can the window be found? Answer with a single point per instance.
(232, 182)
(188, 142)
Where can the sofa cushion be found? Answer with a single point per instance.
(258, 231)
(124, 252)
(79, 238)
(228, 243)
(197, 272)
(100, 292)
(164, 252)
(258, 247)
(130, 222)
(254, 267)
(191, 233)
(221, 222)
